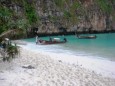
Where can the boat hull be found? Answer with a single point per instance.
(87, 37)
(44, 42)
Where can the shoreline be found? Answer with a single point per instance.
(47, 72)
(101, 66)
(70, 33)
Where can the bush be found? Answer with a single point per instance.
(11, 51)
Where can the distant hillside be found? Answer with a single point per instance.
(54, 16)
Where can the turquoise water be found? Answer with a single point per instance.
(102, 47)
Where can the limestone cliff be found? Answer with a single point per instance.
(51, 15)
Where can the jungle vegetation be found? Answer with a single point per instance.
(72, 11)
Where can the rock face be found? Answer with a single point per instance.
(80, 15)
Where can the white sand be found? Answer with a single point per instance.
(47, 72)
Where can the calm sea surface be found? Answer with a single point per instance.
(103, 47)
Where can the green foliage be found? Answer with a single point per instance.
(12, 51)
(17, 1)
(59, 3)
(53, 18)
(30, 12)
(22, 24)
(5, 12)
(9, 19)
(70, 12)
(73, 8)
(19, 24)
(67, 14)
(5, 17)
(105, 6)
(76, 5)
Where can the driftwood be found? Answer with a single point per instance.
(28, 67)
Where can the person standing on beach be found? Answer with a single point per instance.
(50, 39)
(36, 39)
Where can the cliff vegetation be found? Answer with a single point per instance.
(30, 17)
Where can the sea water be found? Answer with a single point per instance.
(97, 54)
(102, 47)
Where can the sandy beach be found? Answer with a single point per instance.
(37, 69)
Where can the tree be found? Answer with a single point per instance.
(5, 17)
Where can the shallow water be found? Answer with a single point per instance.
(94, 54)
(102, 47)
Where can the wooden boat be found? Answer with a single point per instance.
(55, 41)
(87, 37)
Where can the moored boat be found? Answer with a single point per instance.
(87, 37)
(54, 41)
